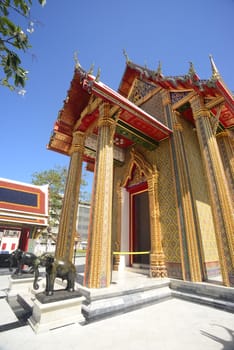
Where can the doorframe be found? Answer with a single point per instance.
(146, 172)
(133, 191)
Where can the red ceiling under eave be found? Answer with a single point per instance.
(127, 81)
(77, 100)
(143, 126)
(62, 127)
(188, 115)
(87, 121)
(227, 118)
(227, 95)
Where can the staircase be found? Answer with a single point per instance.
(123, 296)
(204, 293)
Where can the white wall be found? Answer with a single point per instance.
(124, 259)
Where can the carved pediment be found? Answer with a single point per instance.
(138, 171)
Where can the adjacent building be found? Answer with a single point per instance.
(23, 213)
(83, 215)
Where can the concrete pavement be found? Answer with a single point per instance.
(172, 324)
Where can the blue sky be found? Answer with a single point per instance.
(173, 32)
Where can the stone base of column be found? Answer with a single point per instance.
(116, 261)
(157, 265)
(231, 280)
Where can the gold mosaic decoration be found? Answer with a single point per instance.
(167, 203)
(200, 193)
(140, 89)
(155, 108)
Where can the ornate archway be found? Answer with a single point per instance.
(138, 171)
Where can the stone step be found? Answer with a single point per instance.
(26, 301)
(100, 304)
(8, 319)
(204, 293)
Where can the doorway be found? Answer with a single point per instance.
(140, 227)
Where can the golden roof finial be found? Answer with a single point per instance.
(91, 69)
(191, 71)
(126, 56)
(77, 63)
(159, 69)
(98, 75)
(215, 72)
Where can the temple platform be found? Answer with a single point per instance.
(8, 319)
(130, 290)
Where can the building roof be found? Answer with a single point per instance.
(213, 90)
(80, 113)
(80, 109)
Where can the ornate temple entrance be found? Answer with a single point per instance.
(140, 228)
(140, 180)
(166, 132)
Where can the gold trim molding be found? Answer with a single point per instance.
(157, 257)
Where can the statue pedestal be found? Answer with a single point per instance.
(49, 312)
(21, 285)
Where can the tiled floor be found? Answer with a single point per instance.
(170, 325)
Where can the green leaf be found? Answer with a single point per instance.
(7, 27)
(42, 2)
(12, 35)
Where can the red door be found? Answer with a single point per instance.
(139, 224)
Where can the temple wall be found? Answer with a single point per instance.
(201, 199)
(161, 157)
(154, 107)
(226, 147)
(168, 210)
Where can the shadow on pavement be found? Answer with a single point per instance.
(227, 344)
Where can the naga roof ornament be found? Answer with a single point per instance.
(191, 71)
(91, 69)
(215, 72)
(77, 63)
(126, 56)
(158, 71)
(98, 75)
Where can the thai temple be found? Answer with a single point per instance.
(162, 152)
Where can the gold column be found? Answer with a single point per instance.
(98, 260)
(189, 230)
(68, 218)
(157, 257)
(119, 197)
(220, 197)
(225, 141)
(192, 230)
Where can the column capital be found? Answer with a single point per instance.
(198, 107)
(77, 142)
(224, 133)
(104, 115)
